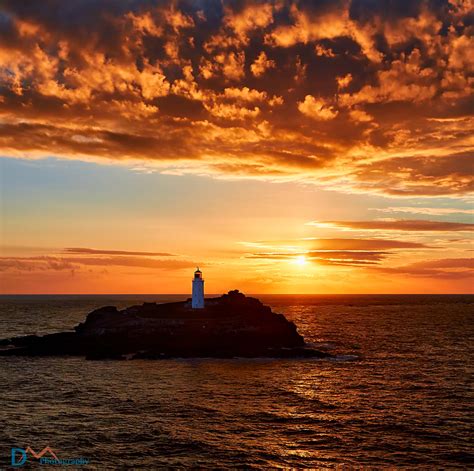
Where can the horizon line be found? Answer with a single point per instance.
(248, 294)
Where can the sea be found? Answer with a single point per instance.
(397, 393)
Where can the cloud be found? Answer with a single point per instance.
(413, 225)
(355, 96)
(422, 210)
(30, 264)
(251, 17)
(341, 257)
(448, 268)
(261, 64)
(418, 176)
(87, 251)
(342, 244)
(47, 262)
(344, 81)
(244, 94)
(405, 80)
(316, 108)
(343, 252)
(360, 115)
(366, 244)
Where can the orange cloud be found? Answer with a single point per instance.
(347, 258)
(251, 17)
(420, 175)
(421, 210)
(450, 269)
(399, 225)
(406, 80)
(345, 244)
(316, 108)
(357, 252)
(46, 262)
(261, 64)
(245, 94)
(346, 95)
(87, 251)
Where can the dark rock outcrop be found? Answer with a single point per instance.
(229, 326)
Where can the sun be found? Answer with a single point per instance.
(300, 260)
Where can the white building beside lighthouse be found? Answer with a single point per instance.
(198, 290)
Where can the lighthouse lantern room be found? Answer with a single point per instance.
(198, 290)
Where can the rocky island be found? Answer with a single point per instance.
(232, 325)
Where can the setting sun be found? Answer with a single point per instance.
(300, 260)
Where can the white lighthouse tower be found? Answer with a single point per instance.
(198, 290)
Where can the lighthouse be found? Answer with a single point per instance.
(198, 290)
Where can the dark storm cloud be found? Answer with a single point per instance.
(353, 95)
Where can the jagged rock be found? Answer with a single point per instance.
(229, 326)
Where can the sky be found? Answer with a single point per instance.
(282, 147)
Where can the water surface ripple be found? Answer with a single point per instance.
(399, 392)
